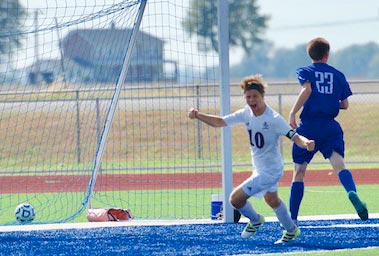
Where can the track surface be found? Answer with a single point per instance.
(79, 183)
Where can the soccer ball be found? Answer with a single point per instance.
(24, 213)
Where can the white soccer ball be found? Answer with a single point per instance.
(24, 213)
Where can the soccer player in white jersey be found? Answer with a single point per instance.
(264, 127)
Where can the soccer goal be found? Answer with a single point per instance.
(94, 99)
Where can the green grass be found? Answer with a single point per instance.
(166, 145)
(325, 200)
(348, 252)
(184, 204)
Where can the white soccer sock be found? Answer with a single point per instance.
(284, 218)
(248, 211)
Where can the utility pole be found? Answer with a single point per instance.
(36, 40)
(61, 54)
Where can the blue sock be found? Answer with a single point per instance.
(347, 180)
(297, 192)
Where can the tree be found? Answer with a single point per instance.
(257, 62)
(11, 15)
(246, 25)
(285, 61)
(358, 61)
(373, 66)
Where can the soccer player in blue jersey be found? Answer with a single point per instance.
(264, 127)
(324, 91)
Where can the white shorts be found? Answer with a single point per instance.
(259, 184)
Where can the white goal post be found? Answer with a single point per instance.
(109, 118)
(226, 139)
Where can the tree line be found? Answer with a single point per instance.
(246, 28)
(356, 61)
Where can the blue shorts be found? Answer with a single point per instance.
(328, 136)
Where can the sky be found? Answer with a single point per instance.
(342, 22)
(292, 22)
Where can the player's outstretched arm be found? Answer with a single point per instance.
(212, 120)
(301, 98)
(344, 104)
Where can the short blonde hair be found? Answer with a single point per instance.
(254, 82)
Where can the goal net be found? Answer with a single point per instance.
(61, 65)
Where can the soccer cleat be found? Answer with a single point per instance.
(251, 228)
(288, 237)
(359, 206)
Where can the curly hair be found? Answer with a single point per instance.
(254, 82)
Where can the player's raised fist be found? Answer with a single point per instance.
(310, 145)
(193, 113)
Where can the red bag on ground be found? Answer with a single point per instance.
(108, 214)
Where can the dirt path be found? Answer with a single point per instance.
(79, 183)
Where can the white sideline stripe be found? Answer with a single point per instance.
(318, 251)
(88, 225)
(345, 226)
(324, 191)
(323, 217)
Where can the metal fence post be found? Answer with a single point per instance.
(98, 120)
(78, 149)
(199, 135)
(280, 107)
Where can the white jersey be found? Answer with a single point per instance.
(264, 133)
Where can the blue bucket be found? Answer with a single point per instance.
(216, 205)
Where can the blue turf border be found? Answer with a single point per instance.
(191, 239)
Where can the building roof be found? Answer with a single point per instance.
(112, 36)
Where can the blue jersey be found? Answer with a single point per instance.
(329, 87)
